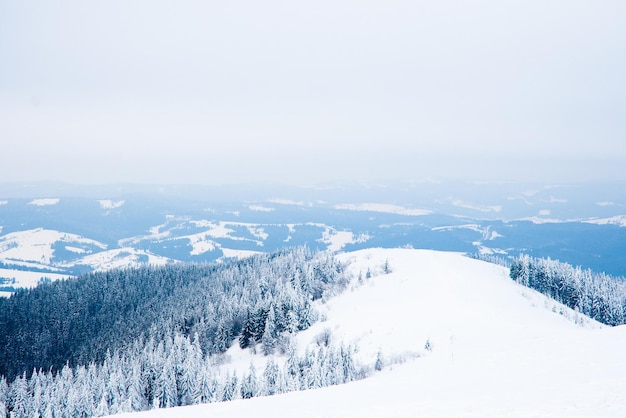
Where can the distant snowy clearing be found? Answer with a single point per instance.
(385, 208)
(44, 202)
(27, 278)
(479, 208)
(495, 348)
(280, 201)
(614, 220)
(37, 245)
(260, 208)
(110, 204)
(121, 258)
(336, 240)
(231, 253)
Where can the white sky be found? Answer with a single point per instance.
(233, 91)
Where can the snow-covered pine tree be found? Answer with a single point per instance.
(246, 339)
(293, 372)
(229, 387)
(348, 366)
(380, 363)
(271, 384)
(270, 333)
(20, 401)
(249, 384)
(37, 392)
(166, 385)
(207, 386)
(136, 388)
(4, 396)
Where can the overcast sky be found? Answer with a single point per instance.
(306, 91)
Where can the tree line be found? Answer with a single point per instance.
(597, 295)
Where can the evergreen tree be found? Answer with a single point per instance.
(380, 363)
(386, 267)
(246, 339)
(270, 333)
(37, 393)
(249, 384)
(270, 378)
(166, 385)
(223, 338)
(348, 367)
(313, 369)
(4, 396)
(229, 387)
(206, 388)
(136, 389)
(20, 404)
(102, 409)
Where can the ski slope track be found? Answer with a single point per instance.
(496, 348)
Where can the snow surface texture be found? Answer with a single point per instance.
(495, 348)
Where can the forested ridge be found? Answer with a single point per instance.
(597, 295)
(77, 321)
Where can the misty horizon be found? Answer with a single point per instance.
(203, 93)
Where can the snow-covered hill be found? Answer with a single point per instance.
(119, 258)
(39, 246)
(49, 254)
(459, 339)
(68, 230)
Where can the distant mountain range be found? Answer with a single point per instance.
(56, 230)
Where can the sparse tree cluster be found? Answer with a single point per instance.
(598, 296)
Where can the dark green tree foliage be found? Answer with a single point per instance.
(77, 321)
(599, 296)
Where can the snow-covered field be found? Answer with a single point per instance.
(496, 348)
(27, 278)
(120, 258)
(37, 245)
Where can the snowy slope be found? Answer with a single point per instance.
(38, 245)
(120, 258)
(497, 349)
